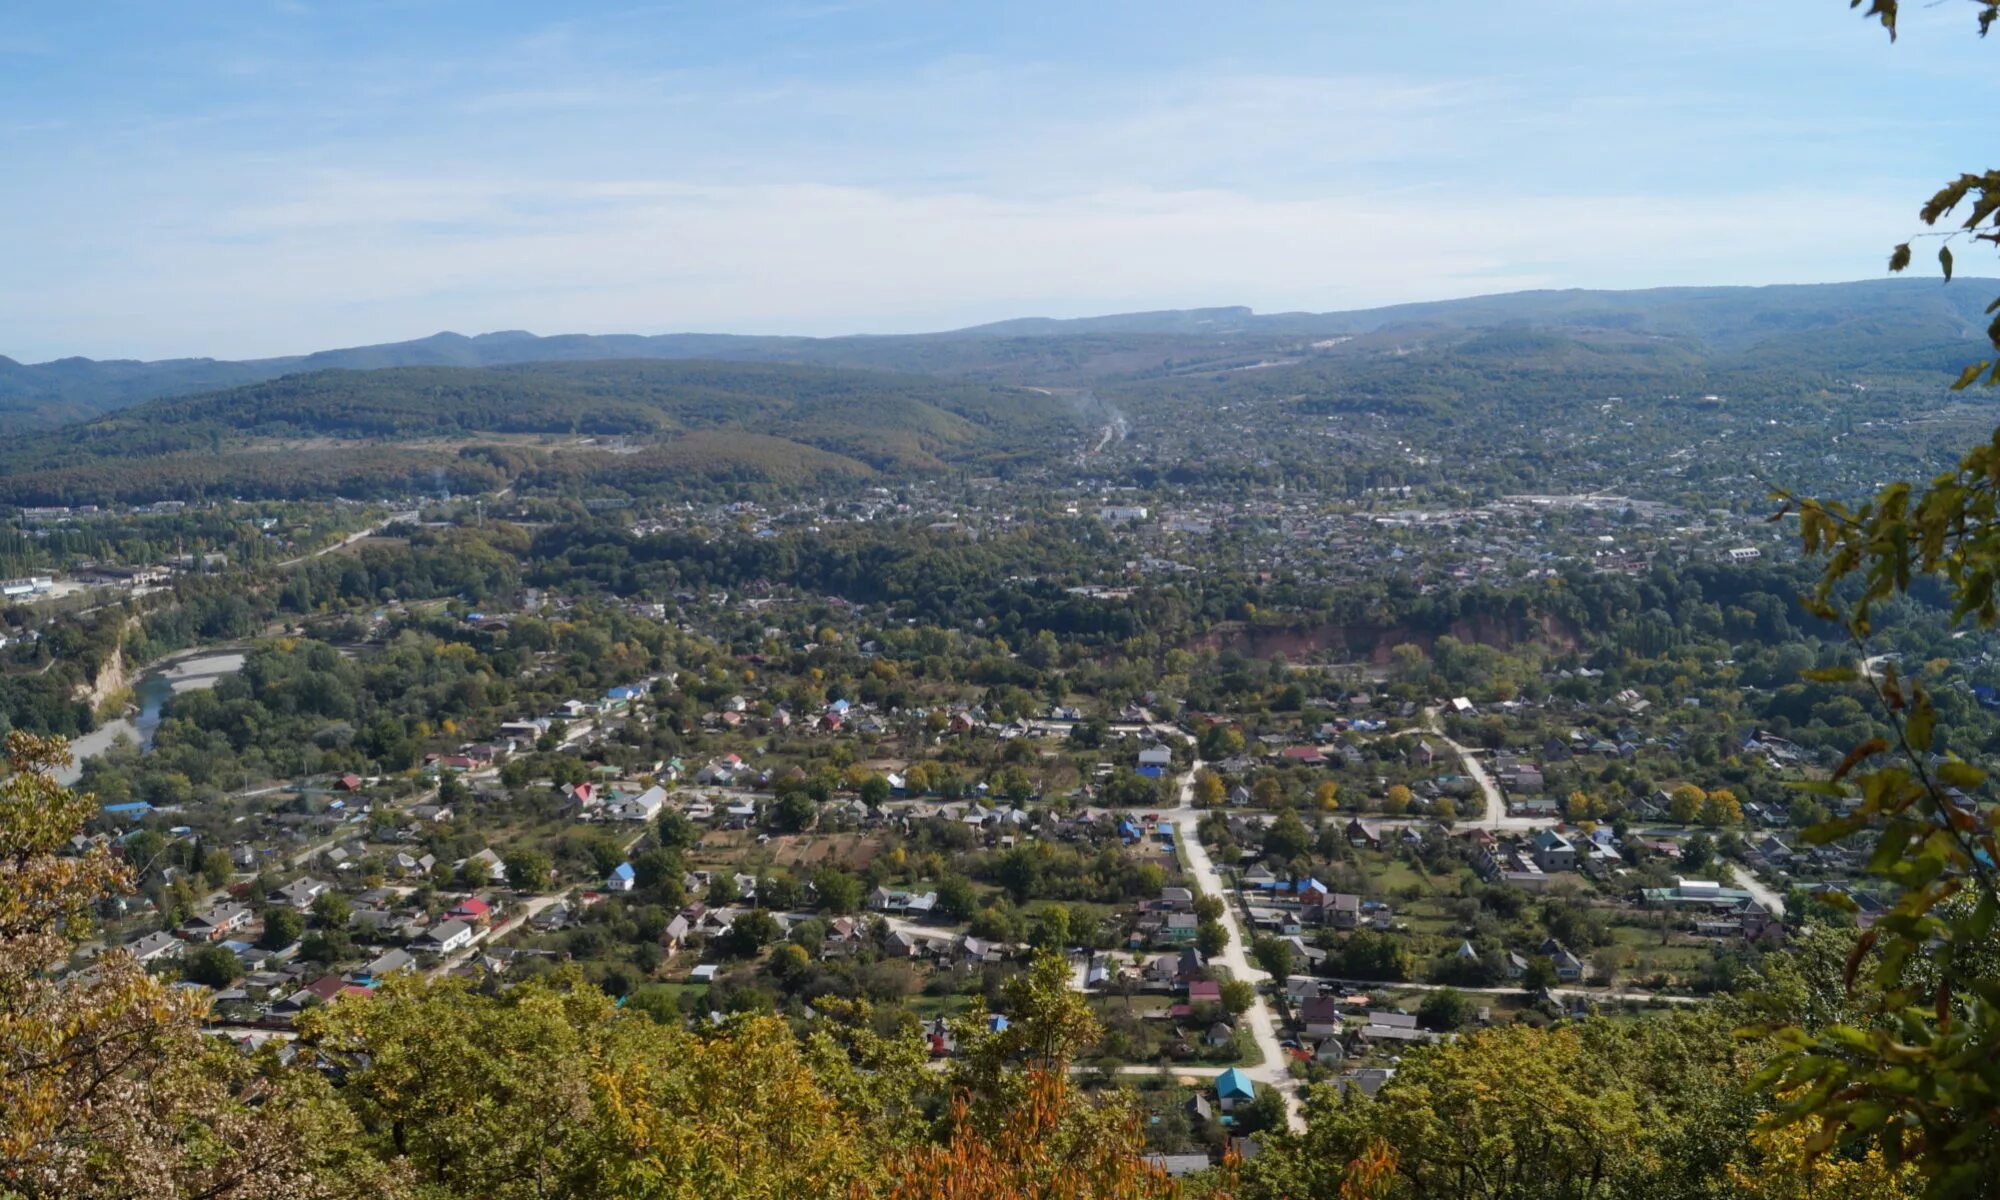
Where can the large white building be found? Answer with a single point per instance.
(30, 585)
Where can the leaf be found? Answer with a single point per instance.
(1899, 258)
(1980, 924)
(1890, 848)
(1856, 756)
(1837, 899)
(1862, 945)
(1885, 9)
(1923, 722)
(1960, 774)
(1832, 831)
(1968, 377)
(1944, 260)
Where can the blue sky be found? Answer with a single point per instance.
(247, 179)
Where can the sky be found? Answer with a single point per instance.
(250, 179)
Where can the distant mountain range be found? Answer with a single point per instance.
(1917, 321)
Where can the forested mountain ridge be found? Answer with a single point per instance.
(364, 433)
(1869, 321)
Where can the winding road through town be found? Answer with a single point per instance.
(1272, 1071)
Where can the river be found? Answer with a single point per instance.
(184, 673)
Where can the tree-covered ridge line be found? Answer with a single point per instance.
(367, 433)
(1058, 352)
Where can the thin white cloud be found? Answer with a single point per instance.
(376, 259)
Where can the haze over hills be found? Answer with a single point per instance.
(1869, 322)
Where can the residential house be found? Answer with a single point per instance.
(1178, 1165)
(1569, 968)
(154, 947)
(917, 904)
(642, 807)
(214, 924)
(391, 963)
(1320, 1015)
(471, 910)
(300, 893)
(443, 938)
(1234, 1089)
(1553, 852)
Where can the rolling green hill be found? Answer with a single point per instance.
(1917, 322)
(369, 433)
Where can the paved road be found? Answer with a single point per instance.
(1601, 995)
(1495, 816)
(1759, 891)
(1263, 1029)
(350, 539)
(524, 912)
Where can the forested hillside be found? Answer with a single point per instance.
(370, 433)
(1872, 322)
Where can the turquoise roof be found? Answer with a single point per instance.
(1234, 1084)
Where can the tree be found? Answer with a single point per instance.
(1266, 1111)
(793, 812)
(1327, 796)
(956, 897)
(1397, 801)
(874, 791)
(1287, 838)
(214, 966)
(790, 964)
(1697, 852)
(1051, 1144)
(216, 869)
(657, 870)
(326, 946)
(674, 831)
(1207, 907)
(1237, 996)
(1209, 790)
(1787, 1169)
(749, 933)
(838, 891)
(108, 1088)
(1511, 1111)
(1268, 792)
(1211, 937)
(1444, 1010)
(331, 910)
(656, 1001)
(1274, 955)
(282, 927)
(1540, 975)
(1368, 954)
(1684, 803)
(1720, 808)
(548, 1090)
(1050, 930)
(528, 870)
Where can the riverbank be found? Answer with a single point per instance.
(189, 670)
